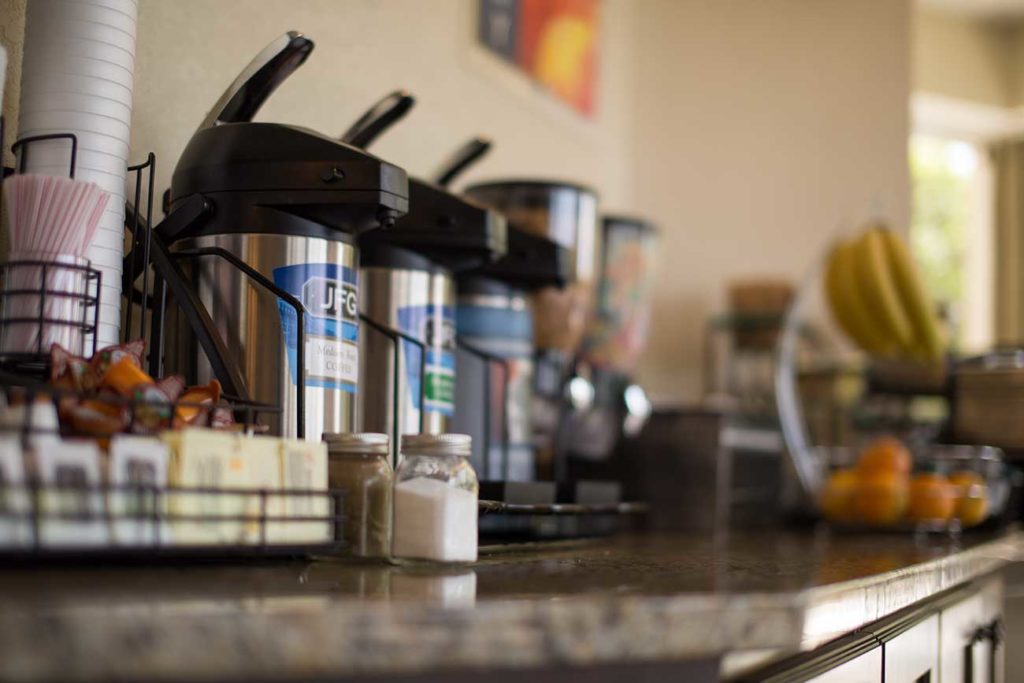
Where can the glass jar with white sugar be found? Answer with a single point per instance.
(436, 492)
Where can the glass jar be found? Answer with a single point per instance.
(436, 497)
(358, 465)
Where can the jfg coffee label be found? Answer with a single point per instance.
(329, 297)
(434, 326)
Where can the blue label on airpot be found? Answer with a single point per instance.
(329, 296)
(435, 327)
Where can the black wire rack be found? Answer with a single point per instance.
(39, 302)
(75, 515)
(34, 311)
(144, 522)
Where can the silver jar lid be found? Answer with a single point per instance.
(357, 443)
(437, 444)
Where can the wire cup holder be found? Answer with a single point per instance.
(46, 298)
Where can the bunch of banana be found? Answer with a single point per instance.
(878, 299)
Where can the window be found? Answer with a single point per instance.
(951, 234)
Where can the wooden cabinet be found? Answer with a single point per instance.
(970, 637)
(954, 638)
(912, 656)
(866, 668)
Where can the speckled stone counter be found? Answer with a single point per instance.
(637, 599)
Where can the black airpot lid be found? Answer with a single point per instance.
(532, 262)
(452, 232)
(275, 178)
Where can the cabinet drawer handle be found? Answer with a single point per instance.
(992, 632)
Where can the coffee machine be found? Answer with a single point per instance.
(565, 214)
(408, 275)
(615, 339)
(259, 252)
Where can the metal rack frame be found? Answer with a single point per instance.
(36, 361)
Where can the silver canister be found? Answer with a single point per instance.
(260, 330)
(421, 305)
(495, 319)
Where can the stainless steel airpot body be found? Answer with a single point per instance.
(259, 251)
(406, 274)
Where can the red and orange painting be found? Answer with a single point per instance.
(554, 41)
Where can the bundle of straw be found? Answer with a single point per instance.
(50, 219)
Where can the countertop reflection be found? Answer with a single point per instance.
(769, 562)
(635, 598)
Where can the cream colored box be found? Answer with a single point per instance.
(138, 481)
(201, 458)
(262, 458)
(71, 504)
(304, 467)
(15, 502)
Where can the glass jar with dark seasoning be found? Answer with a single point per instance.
(358, 465)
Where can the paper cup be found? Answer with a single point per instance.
(109, 327)
(86, 85)
(106, 249)
(106, 260)
(106, 181)
(60, 149)
(78, 77)
(109, 269)
(88, 161)
(122, 16)
(109, 264)
(76, 103)
(98, 32)
(109, 296)
(114, 185)
(74, 49)
(82, 66)
(110, 284)
(76, 121)
(127, 7)
(110, 313)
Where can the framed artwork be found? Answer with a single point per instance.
(554, 42)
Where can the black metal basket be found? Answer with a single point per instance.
(35, 312)
(37, 305)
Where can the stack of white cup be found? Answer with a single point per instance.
(78, 77)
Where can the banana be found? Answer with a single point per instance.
(928, 342)
(879, 290)
(848, 305)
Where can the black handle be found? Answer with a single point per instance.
(461, 159)
(300, 325)
(378, 118)
(992, 632)
(223, 364)
(396, 336)
(490, 360)
(260, 77)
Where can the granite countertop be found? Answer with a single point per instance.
(643, 598)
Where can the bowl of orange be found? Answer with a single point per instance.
(884, 487)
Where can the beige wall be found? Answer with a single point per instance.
(966, 58)
(763, 127)
(1016, 38)
(12, 33)
(189, 50)
(746, 129)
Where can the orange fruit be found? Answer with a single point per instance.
(880, 498)
(885, 454)
(837, 496)
(932, 498)
(971, 497)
